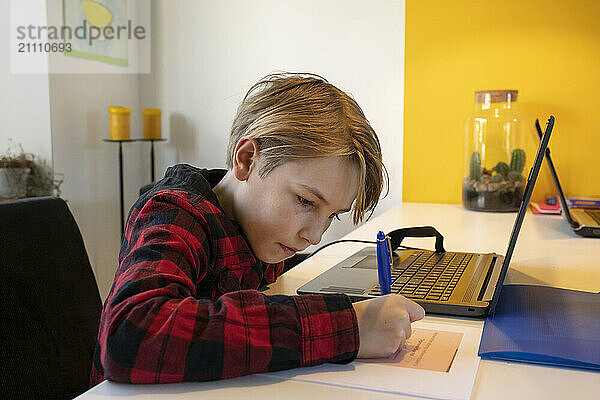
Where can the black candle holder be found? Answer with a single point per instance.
(152, 154)
(120, 141)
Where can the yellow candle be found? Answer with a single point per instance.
(119, 122)
(152, 125)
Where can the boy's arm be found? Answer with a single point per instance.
(155, 330)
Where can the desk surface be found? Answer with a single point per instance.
(547, 253)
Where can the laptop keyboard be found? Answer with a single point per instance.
(595, 214)
(427, 275)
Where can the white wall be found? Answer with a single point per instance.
(79, 109)
(91, 186)
(207, 54)
(24, 104)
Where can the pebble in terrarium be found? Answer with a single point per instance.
(495, 159)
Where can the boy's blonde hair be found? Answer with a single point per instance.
(295, 116)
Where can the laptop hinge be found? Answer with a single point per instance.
(487, 291)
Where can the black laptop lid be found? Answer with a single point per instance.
(533, 174)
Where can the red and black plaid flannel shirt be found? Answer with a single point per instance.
(184, 305)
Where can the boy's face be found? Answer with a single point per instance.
(283, 213)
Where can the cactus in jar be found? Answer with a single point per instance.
(514, 176)
(502, 168)
(497, 178)
(517, 160)
(475, 166)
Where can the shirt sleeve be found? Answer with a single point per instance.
(154, 329)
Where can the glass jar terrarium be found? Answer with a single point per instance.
(494, 153)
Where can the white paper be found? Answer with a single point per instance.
(455, 384)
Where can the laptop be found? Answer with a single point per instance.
(583, 221)
(442, 282)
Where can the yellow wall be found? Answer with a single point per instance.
(548, 50)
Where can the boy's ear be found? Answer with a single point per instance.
(245, 158)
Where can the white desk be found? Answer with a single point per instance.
(547, 253)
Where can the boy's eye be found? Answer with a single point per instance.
(305, 202)
(308, 203)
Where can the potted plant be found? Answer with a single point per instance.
(15, 166)
(26, 175)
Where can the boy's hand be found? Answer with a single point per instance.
(384, 324)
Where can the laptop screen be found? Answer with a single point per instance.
(533, 174)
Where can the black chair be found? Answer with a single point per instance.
(50, 306)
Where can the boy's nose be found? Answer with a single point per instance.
(314, 231)
(314, 239)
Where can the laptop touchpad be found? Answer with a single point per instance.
(368, 262)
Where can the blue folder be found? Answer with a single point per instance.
(544, 325)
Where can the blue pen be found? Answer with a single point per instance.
(383, 263)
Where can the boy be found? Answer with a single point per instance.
(185, 305)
